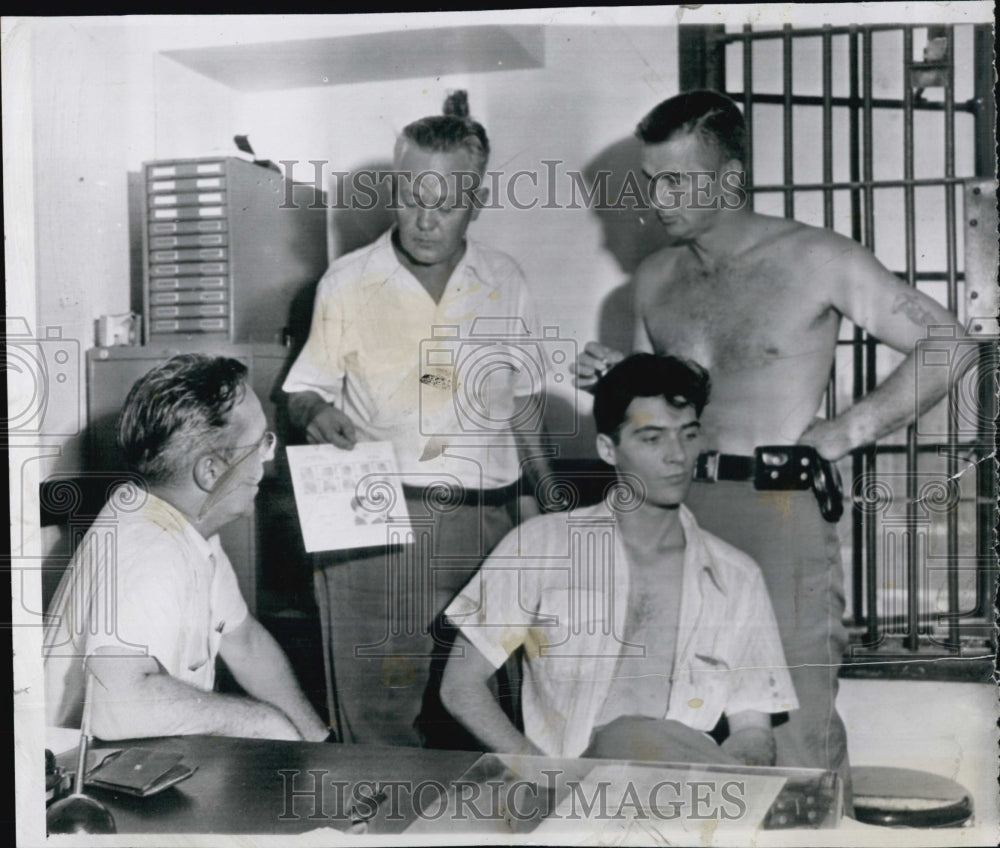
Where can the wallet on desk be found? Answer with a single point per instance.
(139, 771)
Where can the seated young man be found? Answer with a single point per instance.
(640, 630)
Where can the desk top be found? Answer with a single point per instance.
(244, 786)
(250, 785)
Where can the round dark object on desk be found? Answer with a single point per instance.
(79, 814)
(896, 797)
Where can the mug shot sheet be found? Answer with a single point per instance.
(346, 499)
(560, 92)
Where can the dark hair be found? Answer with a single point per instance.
(714, 117)
(454, 130)
(175, 406)
(680, 382)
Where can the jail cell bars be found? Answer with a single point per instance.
(881, 127)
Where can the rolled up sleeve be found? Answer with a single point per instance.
(319, 366)
(495, 610)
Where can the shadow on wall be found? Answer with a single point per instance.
(630, 231)
(359, 214)
(569, 430)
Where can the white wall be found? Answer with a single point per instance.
(106, 99)
(596, 84)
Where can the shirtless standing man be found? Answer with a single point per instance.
(758, 300)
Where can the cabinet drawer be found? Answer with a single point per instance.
(186, 213)
(186, 269)
(172, 283)
(191, 310)
(166, 298)
(206, 240)
(191, 254)
(159, 186)
(190, 325)
(184, 169)
(177, 227)
(202, 198)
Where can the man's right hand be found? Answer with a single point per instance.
(329, 425)
(592, 363)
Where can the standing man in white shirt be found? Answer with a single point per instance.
(640, 630)
(418, 339)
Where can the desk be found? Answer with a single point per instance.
(268, 787)
(246, 785)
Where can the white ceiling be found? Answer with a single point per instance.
(368, 57)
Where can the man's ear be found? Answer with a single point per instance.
(606, 448)
(207, 470)
(481, 196)
(734, 165)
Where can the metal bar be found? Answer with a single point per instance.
(827, 129)
(786, 120)
(857, 340)
(748, 107)
(870, 457)
(932, 276)
(701, 57)
(985, 107)
(952, 262)
(924, 182)
(973, 449)
(809, 32)
(911, 640)
(969, 106)
(986, 495)
(831, 388)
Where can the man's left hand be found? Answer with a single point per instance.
(828, 438)
(752, 745)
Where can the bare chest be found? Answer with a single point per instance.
(736, 315)
(654, 603)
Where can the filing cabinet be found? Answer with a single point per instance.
(227, 245)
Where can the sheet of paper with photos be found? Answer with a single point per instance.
(347, 499)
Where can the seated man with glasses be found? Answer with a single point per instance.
(150, 598)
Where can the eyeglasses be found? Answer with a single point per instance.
(266, 443)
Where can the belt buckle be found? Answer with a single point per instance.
(706, 469)
(783, 467)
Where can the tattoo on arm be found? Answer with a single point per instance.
(909, 304)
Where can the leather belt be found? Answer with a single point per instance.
(779, 468)
(462, 496)
(712, 466)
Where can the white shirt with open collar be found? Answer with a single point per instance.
(558, 584)
(373, 352)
